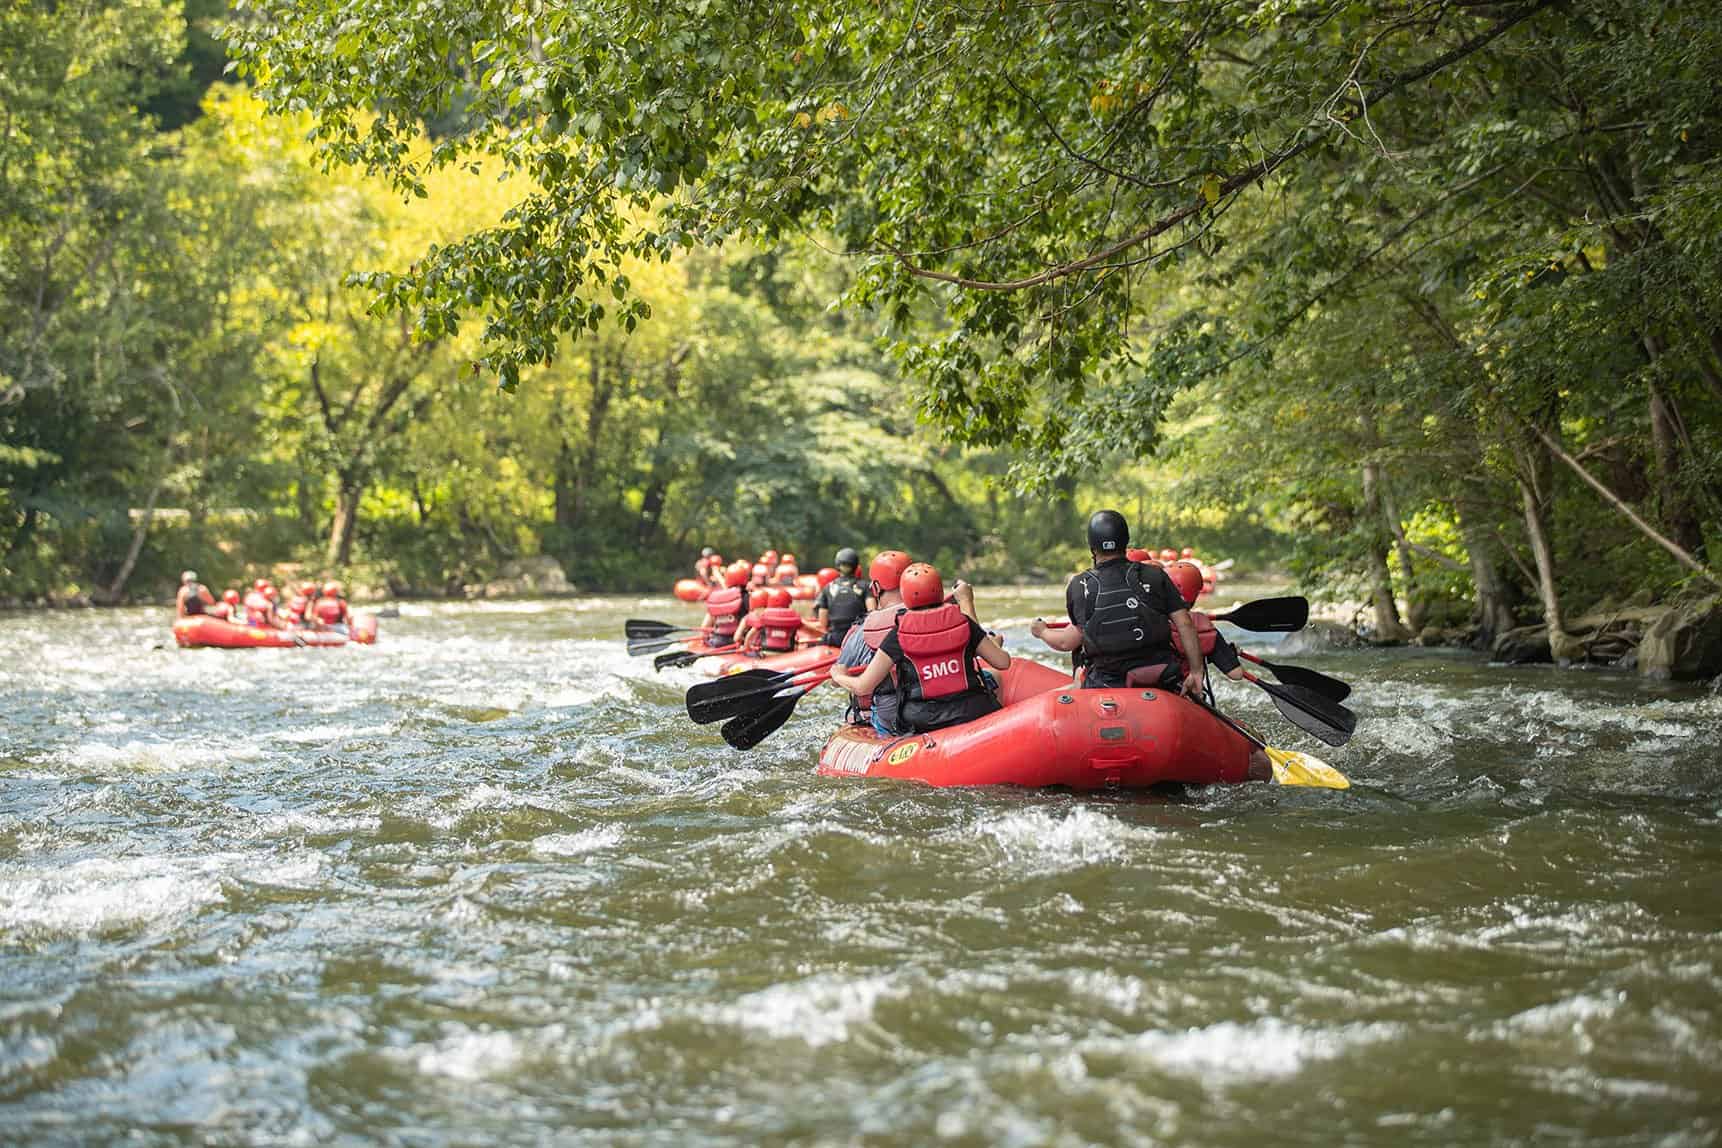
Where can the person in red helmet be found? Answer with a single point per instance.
(708, 567)
(931, 650)
(193, 597)
(787, 571)
(878, 706)
(1187, 553)
(299, 606)
(759, 575)
(331, 609)
(725, 607)
(748, 633)
(1187, 577)
(779, 623)
(1125, 617)
(229, 607)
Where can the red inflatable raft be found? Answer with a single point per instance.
(202, 630)
(1052, 734)
(815, 657)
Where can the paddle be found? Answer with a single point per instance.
(1331, 688)
(1291, 767)
(637, 628)
(1268, 615)
(749, 730)
(1317, 716)
(734, 695)
(680, 658)
(641, 646)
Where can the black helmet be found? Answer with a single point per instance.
(706, 552)
(847, 559)
(1108, 533)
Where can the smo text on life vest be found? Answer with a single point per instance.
(1123, 622)
(778, 626)
(723, 613)
(935, 643)
(848, 605)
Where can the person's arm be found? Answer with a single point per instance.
(964, 596)
(1063, 638)
(993, 654)
(869, 679)
(822, 606)
(1225, 659)
(1192, 646)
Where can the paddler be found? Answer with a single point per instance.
(747, 633)
(230, 607)
(931, 649)
(708, 567)
(726, 605)
(331, 610)
(880, 704)
(779, 623)
(1187, 577)
(193, 598)
(1124, 616)
(786, 571)
(842, 600)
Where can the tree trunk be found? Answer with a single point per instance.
(1388, 627)
(1673, 500)
(1535, 495)
(1416, 609)
(140, 533)
(1495, 595)
(346, 521)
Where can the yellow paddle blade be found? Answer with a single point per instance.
(1293, 768)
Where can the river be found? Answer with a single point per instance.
(483, 883)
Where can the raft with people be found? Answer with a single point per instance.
(201, 630)
(314, 615)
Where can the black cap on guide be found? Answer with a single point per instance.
(847, 559)
(1108, 533)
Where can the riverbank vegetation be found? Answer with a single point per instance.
(1422, 301)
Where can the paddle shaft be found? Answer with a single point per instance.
(1329, 687)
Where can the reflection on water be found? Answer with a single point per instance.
(484, 883)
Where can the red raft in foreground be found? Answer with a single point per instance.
(202, 630)
(815, 657)
(1052, 734)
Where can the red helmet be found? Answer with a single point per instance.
(887, 569)
(779, 598)
(827, 575)
(231, 597)
(758, 600)
(921, 586)
(259, 584)
(1137, 555)
(1187, 576)
(788, 559)
(331, 589)
(736, 575)
(1168, 555)
(269, 592)
(769, 558)
(1188, 553)
(760, 571)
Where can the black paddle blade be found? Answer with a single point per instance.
(734, 694)
(646, 628)
(1330, 688)
(1269, 615)
(675, 659)
(748, 731)
(1322, 719)
(642, 646)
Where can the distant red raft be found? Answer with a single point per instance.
(1052, 734)
(202, 630)
(806, 658)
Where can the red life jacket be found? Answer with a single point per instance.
(778, 626)
(1206, 636)
(723, 614)
(298, 606)
(935, 645)
(330, 611)
(257, 609)
(751, 622)
(879, 625)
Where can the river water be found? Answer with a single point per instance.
(483, 883)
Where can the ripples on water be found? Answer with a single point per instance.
(483, 883)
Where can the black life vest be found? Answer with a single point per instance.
(934, 664)
(846, 604)
(1122, 628)
(191, 600)
(723, 614)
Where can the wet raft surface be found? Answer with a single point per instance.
(483, 884)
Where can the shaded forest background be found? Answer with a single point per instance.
(1460, 356)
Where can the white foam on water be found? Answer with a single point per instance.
(1123, 993)
(298, 821)
(819, 1011)
(20, 1054)
(1265, 1049)
(1039, 841)
(137, 756)
(99, 895)
(575, 844)
(468, 1055)
(1574, 1017)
